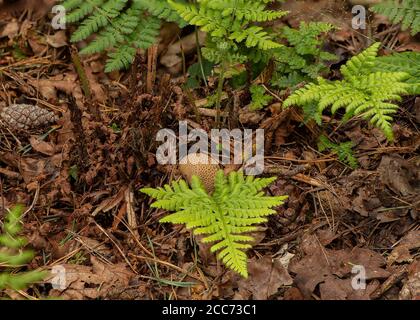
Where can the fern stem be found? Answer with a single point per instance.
(81, 73)
(200, 57)
(219, 93)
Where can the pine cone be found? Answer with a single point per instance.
(25, 116)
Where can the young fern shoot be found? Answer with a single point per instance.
(225, 217)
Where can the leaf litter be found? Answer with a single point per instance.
(79, 178)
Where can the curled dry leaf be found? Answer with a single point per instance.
(341, 289)
(41, 146)
(250, 117)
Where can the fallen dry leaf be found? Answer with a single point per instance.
(401, 253)
(399, 175)
(266, 276)
(41, 146)
(38, 169)
(333, 269)
(341, 289)
(96, 282)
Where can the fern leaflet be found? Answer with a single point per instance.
(408, 62)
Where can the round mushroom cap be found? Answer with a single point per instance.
(200, 165)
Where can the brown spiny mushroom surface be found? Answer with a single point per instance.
(199, 164)
(26, 116)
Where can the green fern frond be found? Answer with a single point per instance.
(121, 26)
(311, 112)
(203, 17)
(116, 33)
(361, 64)
(255, 36)
(145, 33)
(234, 209)
(408, 62)
(12, 254)
(343, 150)
(22, 280)
(406, 12)
(306, 39)
(245, 10)
(303, 60)
(143, 36)
(361, 92)
(231, 55)
(99, 19)
(232, 20)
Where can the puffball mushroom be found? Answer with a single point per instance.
(200, 165)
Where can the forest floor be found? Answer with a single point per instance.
(80, 177)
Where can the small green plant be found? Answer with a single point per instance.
(406, 12)
(303, 59)
(235, 34)
(343, 150)
(225, 216)
(122, 26)
(362, 92)
(259, 98)
(231, 25)
(13, 256)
